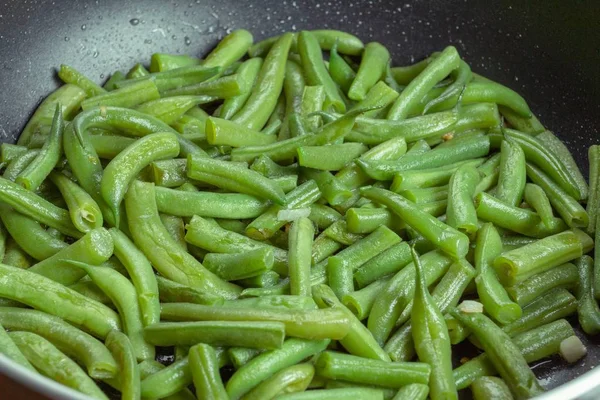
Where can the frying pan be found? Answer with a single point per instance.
(546, 50)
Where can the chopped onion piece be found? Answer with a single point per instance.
(292, 215)
(571, 349)
(470, 307)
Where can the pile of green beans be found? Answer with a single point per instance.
(294, 225)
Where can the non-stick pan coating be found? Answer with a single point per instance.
(549, 51)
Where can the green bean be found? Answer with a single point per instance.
(149, 367)
(414, 391)
(519, 264)
(212, 89)
(351, 368)
(447, 238)
(363, 250)
(460, 212)
(403, 75)
(492, 295)
(490, 387)
(47, 158)
(323, 216)
(289, 380)
(236, 266)
(167, 381)
(529, 125)
(9, 349)
(171, 109)
(512, 177)
(175, 226)
(315, 70)
(241, 355)
(556, 304)
(213, 238)
(204, 367)
(538, 200)
(563, 276)
(562, 153)
(261, 335)
(68, 96)
(59, 300)
(374, 131)
(366, 220)
(537, 153)
(207, 204)
(347, 43)
(361, 301)
(111, 83)
(15, 256)
(299, 256)
(70, 75)
(503, 353)
(324, 246)
(515, 219)
(162, 251)
(89, 289)
(593, 203)
(29, 234)
(9, 152)
(34, 206)
(231, 176)
(330, 158)
(266, 279)
(372, 66)
(164, 62)
(333, 191)
(340, 71)
(127, 96)
(446, 295)
(137, 71)
(266, 225)
(482, 92)
(249, 71)
(431, 338)
(283, 302)
(85, 212)
(223, 132)
(434, 72)
(123, 295)
(385, 170)
(51, 362)
(387, 262)
(358, 393)
(173, 292)
(462, 76)
(534, 344)
(108, 146)
(173, 79)
(425, 178)
(397, 293)
(286, 149)
(123, 169)
(19, 164)
(313, 99)
(596, 275)
(95, 248)
(566, 206)
(339, 232)
(129, 373)
(263, 98)
(230, 49)
(587, 307)
(308, 324)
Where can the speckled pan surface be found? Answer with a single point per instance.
(549, 51)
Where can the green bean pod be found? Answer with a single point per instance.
(460, 212)
(171, 109)
(340, 71)
(587, 307)
(538, 201)
(41, 166)
(68, 96)
(372, 66)
(261, 103)
(10, 350)
(299, 256)
(205, 372)
(289, 380)
(503, 353)
(519, 264)
(129, 373)
(315, 70)
(564, 276)
(162, 251)
(447, 238)
(127, 96)
(435, 71)
(490, 388)
(512, 176)
(52, 363)
(492, 295)
(59, 300)
(236, 266)
(230, 49)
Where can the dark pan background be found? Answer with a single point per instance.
(549, 51)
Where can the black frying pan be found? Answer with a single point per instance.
(549, 51)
